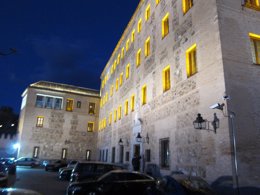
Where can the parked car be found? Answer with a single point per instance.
(65, 173)
(24, 161)
(55, 165)
(3, 180)
(17, 191)
(7, 165)
(86, 170)
(72, 163)
(115, 182)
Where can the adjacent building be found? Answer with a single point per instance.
(175, 60)
(58, 121)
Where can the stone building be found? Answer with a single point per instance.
(174, 60)
(58, 121)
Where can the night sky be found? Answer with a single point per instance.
(65, 41)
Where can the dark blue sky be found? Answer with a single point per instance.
(66, 41)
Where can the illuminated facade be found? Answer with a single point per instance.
(174, 60)
(58, 121)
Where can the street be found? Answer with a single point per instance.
(46, 183)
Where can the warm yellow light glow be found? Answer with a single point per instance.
(39, 121)
(254, 36)
(119, 112)
(157, 1)
(166, 78)
(133, 36)
(116, 84)
(255, 45)
(69, 105)
(186, 5)
(115, 115)
(126, 107)
(252, 4)
(144, 94)
(165, 25)
(110, 118)
(127, 71)
(139, 25)
(138, 58)
(118, 59)
(147, 12)
(90, 127)
(132, 103)
(127, 44)
(122, 53)
(191, 64)
(121, 79)
(147, 47)
(111, 90)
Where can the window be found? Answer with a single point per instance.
(121, 79)
(116, 84)
(254, 4)
(133, 36)
(113, 154)
(69, 105)
(144, 91)
(122, 53)
(91, 108)
(39, 121)
(138, 58)
(147, 47)
(186, 5)
(119, 112)
(88, 154)
(90, 126)
(165, 25)
(127, 156)
(255, 47)
(111, 90)
(49, 102)
(110, 118)
(166, 78)
(78, 104)
(126, 107)
(121, 152)
(118, 59)
(64, 153)
(191, 65)
(139, 25)
(127, 44)
(127, 71)
(147, 12)
(157, 1)
(132, 103)
(52, 102)
(164, 153)
(115, 115)
(147, 155)
(36, 150)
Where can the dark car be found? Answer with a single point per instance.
(7, 165)
(115, 182)
(65, 173)
(3, 180)
(24, 161)
(86, 170)
(55, 165)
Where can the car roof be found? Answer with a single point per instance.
(98, 162)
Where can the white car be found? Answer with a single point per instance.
(24, 161)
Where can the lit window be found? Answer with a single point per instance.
(116, 84)
(118, 59)
(104, 122)
(127, 71)
(139, 25)
(127, 44)
(132, 103)
(255, 47)
(157, 1)
(119, 112)
(191, 65)
(91, 108)
(165, 25)
(133, 36)
(110, 118)
(64, 153)
(186, 5)
(39, 121)
(114, 65)
(126, 107)
(115, 115)
(90, 126)
(69, 105)
(147, 47)
(111, 90)
(164, 153)
(144, 94)
(166, 78)
(122, 53)
(254, 4)
(121, 79)
(36, 150)
(147, 12)
(138, 57)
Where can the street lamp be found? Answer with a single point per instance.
(203, 124)
(140, 139)
(121, 143)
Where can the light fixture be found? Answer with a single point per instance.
(121, 143)
(139, 138)
(203, 124)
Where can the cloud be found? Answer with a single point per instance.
(65, 62)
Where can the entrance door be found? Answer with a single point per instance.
(137, 149)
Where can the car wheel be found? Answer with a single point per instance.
(92, 193)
